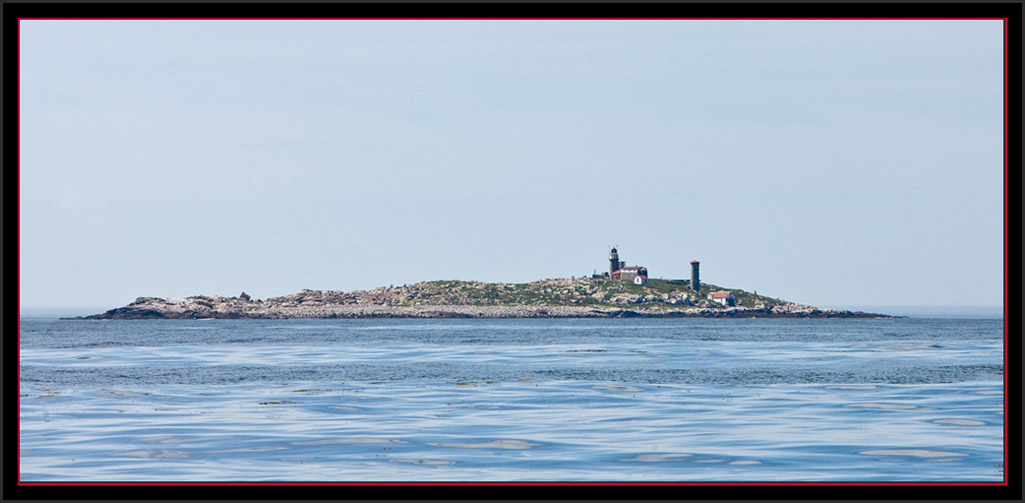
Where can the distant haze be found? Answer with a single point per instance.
(832, 163)
(931, 311)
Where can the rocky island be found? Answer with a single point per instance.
(594, 297)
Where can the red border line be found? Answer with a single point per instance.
(18, 177)
(400, 484)
(511, 19)
(511, 483)
(1005, 250)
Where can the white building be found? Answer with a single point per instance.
(724, 298)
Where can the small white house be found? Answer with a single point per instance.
(724, 298)
(641, 280)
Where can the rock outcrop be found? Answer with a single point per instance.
(549, 298)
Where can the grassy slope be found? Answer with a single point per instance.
(585, 292)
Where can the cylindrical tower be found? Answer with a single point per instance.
(613, 261)
(695, 282)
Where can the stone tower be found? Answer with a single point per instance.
(695, 282)
(613, 261)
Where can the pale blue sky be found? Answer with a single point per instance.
(825, 162)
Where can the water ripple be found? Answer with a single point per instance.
(516, 400)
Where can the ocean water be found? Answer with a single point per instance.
(512, 400)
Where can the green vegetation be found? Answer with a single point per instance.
(585, 292)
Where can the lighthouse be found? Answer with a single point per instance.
(613, 261)
(695, 284)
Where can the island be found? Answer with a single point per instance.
(598, 296)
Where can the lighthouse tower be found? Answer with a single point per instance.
(613, 261)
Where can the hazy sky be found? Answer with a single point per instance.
(824, 162)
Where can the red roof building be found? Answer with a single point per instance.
(620, 271)
(724, 297)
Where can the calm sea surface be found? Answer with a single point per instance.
(512, 400)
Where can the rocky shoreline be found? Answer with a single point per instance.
(463, 300)
(139, 312)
